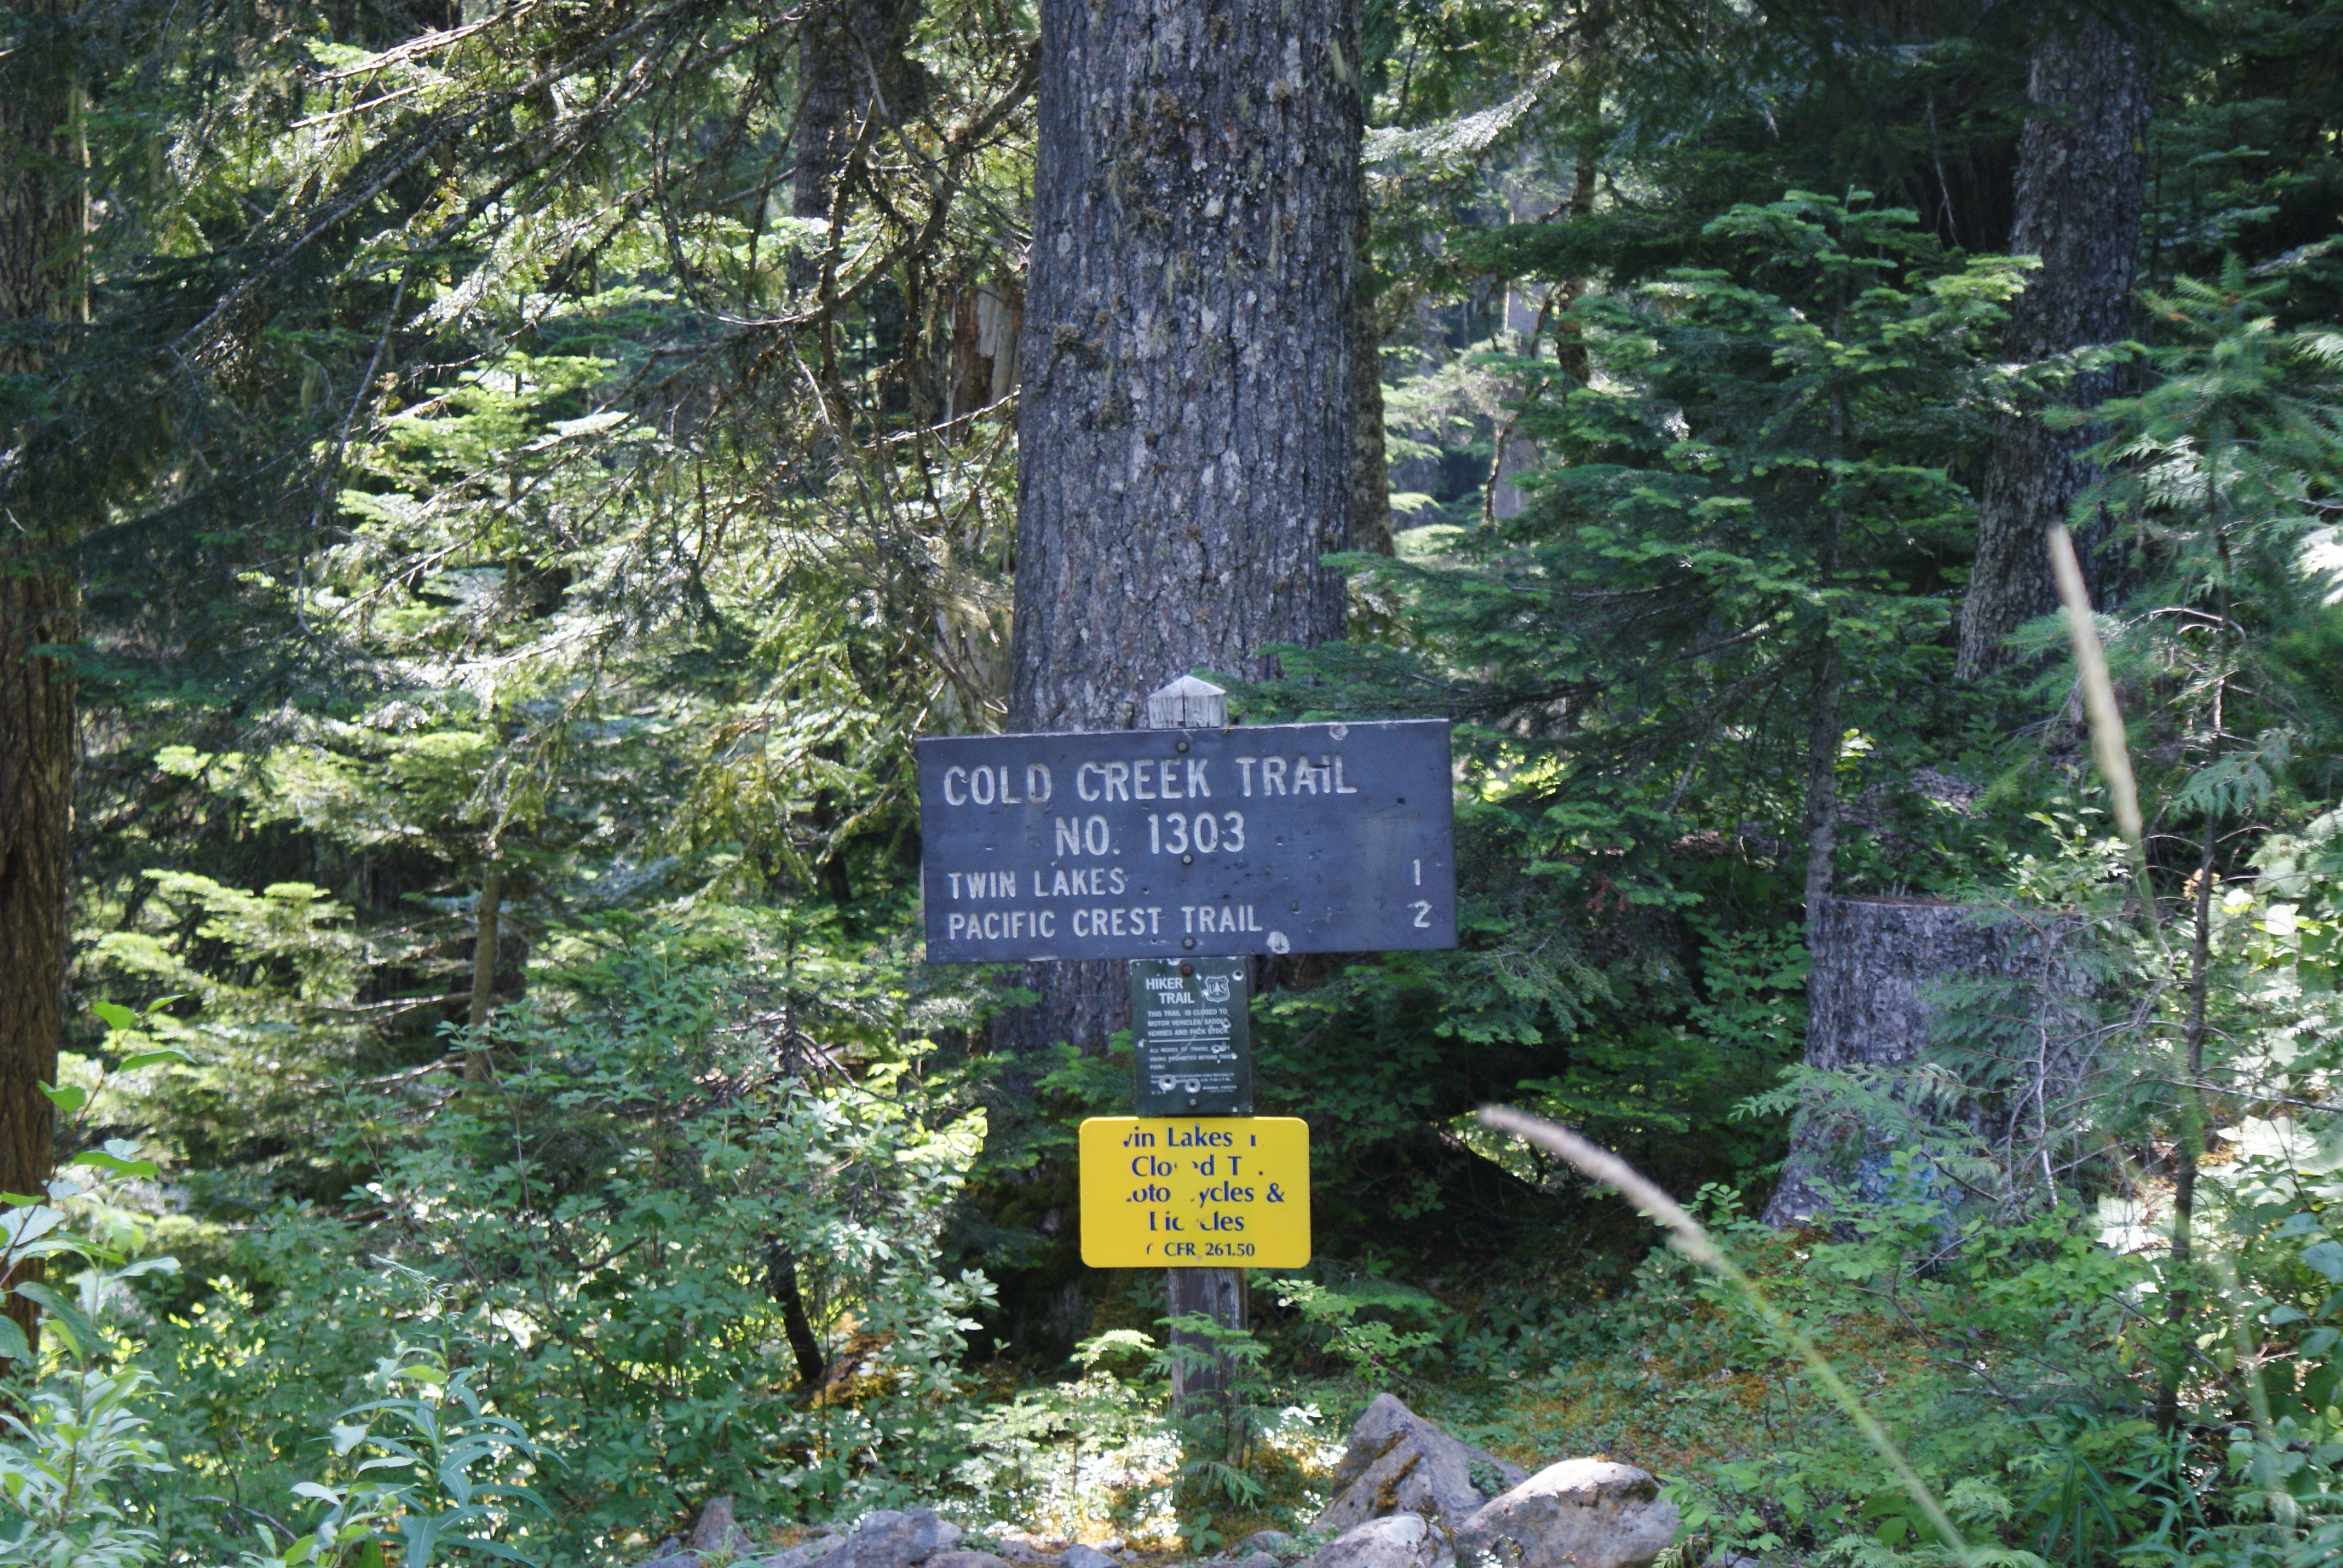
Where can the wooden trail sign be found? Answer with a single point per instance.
(1158, 843)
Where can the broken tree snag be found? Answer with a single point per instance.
(1184, 418)
(1887, 978)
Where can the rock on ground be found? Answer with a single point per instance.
(1397, 1463)
(1579, 1514)
(1274, 1542)
(805, 1554)
(1396, 1541)
(889, 1540)
(966, 1560)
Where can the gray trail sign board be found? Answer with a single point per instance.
(1191, 1037)
(1161, 843)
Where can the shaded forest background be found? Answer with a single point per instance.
(491, 494)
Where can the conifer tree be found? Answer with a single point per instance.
(42, 214)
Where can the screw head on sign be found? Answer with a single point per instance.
(1187, 968)
(1179, 746)
(1187, 859)
(1187, 941)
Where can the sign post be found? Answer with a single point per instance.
(1216, 1292)
(1189, 847)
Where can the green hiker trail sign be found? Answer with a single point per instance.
(1191, 1037)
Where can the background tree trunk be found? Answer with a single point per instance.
(1185, 433)
(2082, 169)
(42, 217)
(851, 65)
(484, 970)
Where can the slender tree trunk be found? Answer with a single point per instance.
(42, 217)
(483, 969)
(782, 1284)
(2188, 1144)
(1185, 434)
(2082, 169)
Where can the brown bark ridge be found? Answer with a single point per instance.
(42, 217)
(1877, 967)
(1184, 426)
(2082, 169)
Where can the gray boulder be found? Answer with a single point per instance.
(1081, 1556)
(1027, 1554)
(1399, 1463)
(886, 1539)
(1394, 1541)
(966, 1560)
(1579, 1514)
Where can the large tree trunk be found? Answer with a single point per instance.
(2082, 164)
(43, 210)
(1185, 436)
(1875, 997)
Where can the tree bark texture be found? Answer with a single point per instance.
(1371, 514)
(1875, 997)
(1185, 430)
(42, 217)
(2082, 170)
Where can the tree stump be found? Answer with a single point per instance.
(1879, 991)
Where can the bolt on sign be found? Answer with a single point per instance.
(1158, 843)
(1195, 1192)
(1190, 1036)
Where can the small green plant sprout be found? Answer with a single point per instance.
(438, 1434)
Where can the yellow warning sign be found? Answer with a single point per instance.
(1195, 1192)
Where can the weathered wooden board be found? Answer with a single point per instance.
(1156, 843)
